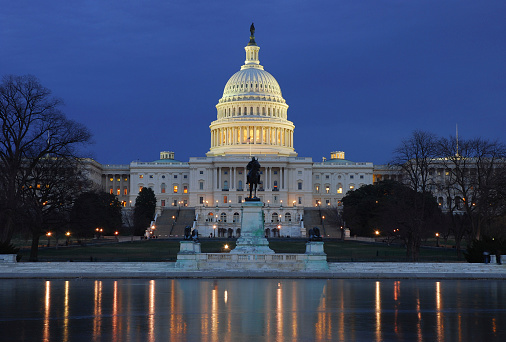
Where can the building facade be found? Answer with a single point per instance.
(252, 120)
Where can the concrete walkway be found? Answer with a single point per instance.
(153, 270)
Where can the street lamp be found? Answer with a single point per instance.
(377, 232)
(48, 234)
(279, 229)
(67, 234)
(437, 239)
(214, 230)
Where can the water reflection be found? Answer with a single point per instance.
(249, 310)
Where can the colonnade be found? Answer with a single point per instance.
(252, 135)
(230, 111)
(235, 176)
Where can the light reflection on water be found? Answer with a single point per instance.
(252, 310)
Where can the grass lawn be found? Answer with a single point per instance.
(166, 250)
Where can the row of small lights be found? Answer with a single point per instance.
(98, 230)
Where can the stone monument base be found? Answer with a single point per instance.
(313, 260)
(252, 239)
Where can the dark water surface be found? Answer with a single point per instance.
(252, 310)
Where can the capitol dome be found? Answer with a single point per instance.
(252, 113)
(252, 81)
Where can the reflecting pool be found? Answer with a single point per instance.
(252, 310)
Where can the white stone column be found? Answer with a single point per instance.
(232, 178)
(219, 178)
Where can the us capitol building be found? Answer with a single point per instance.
(252, 120)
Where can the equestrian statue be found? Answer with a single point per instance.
(253, 178)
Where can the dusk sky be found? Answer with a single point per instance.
(145, 76)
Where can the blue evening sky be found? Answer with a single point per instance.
(359, 76)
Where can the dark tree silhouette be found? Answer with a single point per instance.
(32, 128)
(144, 211)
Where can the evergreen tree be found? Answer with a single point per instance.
(144, 212)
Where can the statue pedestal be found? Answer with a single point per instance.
(252, 240)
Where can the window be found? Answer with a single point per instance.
(111, 191)
(327, 176)
(288, 217)
(299, 186)
(275, 185)
(239, 185)
(340, 190)
(175, 176)
(163, 176)
(201, 185)
(163, 188)
(111, 179)
(118, 191)
(327, 189)
(201, 172)
(150, 176)
(300, 200)
(126, 179)
(163, 203)
(174, 203)
(175, 189)
(352, 187)
(317, 188)
(225, 185)
(351, 176)
(361, 176)
(125, 191)
(225, 172)
(225, 199)
(201, 200)
(317, 177)
(275, 217)
(235, 217)
(327, 202)
(141, 176)
(223, 217)
(140, 188)
(239, 199)
(275, 172)
(299, 172)
(185, 189)
(185, 176)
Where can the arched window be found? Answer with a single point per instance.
(210, 217)
(236, 217)
(223, 217)
(251, 110)
(288, 217)
(239, 111)
(275, 217)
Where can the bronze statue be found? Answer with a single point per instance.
(252, 29)
(253, 178)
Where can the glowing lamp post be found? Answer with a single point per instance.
(437, 239)
(214, 230)
(48, 234)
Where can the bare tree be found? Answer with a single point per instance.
(32, 128)
(475, 170)
(415, 156)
